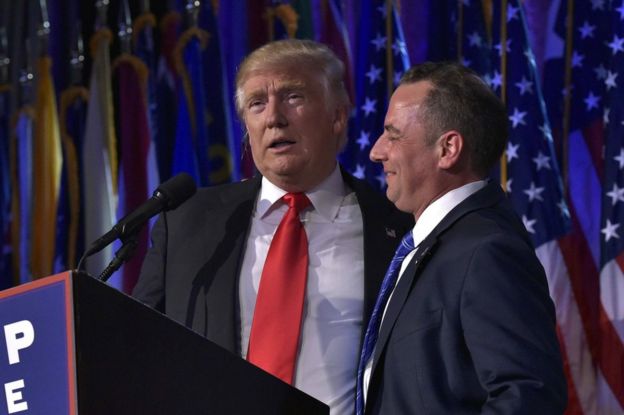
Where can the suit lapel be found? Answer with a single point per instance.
(401, 291)
(488, 196)
(380, 239)
(221, 294)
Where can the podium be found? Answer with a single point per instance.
(74, 345)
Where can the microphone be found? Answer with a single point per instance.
(168, 196)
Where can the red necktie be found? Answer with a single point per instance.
(274, 338)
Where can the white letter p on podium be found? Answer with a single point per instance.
(14, 342)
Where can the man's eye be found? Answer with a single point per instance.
(255, 105)
(294, 97)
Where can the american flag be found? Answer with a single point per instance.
(589, 286)
(533, 182)
(381, 59)
(474, 44)
(570, 235)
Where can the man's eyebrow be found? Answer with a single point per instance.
(289, 85)
(283, 87)
(257, 93)
(391, 129)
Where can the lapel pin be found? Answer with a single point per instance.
(391, 233)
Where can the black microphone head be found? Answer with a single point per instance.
(176, 190)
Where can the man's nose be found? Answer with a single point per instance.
(276, 117)
(378, 153)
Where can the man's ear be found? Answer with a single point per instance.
(340, 120)
(450, 146)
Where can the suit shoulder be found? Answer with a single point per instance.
(375, 204)
(219, 197)
(495, 223)
(225, 193)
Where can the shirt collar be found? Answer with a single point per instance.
(436, 211)
(326, 198)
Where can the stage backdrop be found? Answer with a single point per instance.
(98, 105)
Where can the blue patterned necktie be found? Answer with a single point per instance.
(372, 331)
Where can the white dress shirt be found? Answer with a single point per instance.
(332, 320)
(428, 220)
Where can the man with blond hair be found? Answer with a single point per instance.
(282, 269)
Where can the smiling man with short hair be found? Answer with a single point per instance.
(464, 323)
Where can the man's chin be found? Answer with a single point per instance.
(397, 202)
(392, 196)
(289, 179)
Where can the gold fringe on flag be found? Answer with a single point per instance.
(286, 14)
(288, 17)
(140, 23)
(178, 59)
(170, 18)
(68, 97)
(47, 163)
(139, 67)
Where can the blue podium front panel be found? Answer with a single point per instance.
(37, 371)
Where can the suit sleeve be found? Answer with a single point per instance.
(150, 287)
(510, 330)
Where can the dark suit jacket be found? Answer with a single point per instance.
(470, 328)
(191, 273)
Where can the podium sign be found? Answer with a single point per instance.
(72, 344)
(37, 323)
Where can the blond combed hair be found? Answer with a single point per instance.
(295, 53)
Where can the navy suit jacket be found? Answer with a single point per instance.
(470, 328)
(191, 271)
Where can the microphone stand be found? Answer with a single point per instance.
(122, 255)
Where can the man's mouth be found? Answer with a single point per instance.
(281, 143)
